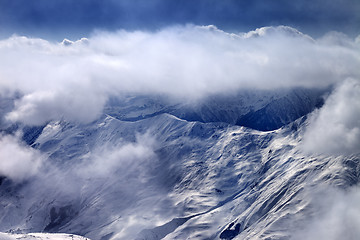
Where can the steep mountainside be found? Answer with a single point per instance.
(147, 170)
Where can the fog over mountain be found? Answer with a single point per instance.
(186, 62)
(184, 132)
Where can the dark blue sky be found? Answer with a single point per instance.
(57, 19)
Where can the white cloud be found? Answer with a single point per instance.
(74, 105)
(335, 128)
(337, 217)
(18, 161)
(74, 79)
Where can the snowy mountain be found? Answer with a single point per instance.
(257, 109)
(227, 167)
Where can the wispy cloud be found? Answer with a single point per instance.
(337, 217)
(120, 158)
(113, 185)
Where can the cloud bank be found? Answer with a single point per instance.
(17, 161)
(335, 128)
(73, 80)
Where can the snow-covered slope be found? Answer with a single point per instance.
(40, 236)
(141, 171)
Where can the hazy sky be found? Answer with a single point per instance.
(57, 19)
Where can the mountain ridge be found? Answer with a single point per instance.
(164, 177)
